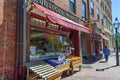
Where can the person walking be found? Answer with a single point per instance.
(106, 52)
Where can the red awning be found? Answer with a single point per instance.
(104, 37)
(58, 19)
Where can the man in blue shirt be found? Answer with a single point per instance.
(106, 52)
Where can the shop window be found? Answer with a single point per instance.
(83, 10)
(72, 6)
(43, 43)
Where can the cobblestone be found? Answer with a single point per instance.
(110, 72)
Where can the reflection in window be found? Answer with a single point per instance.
(46, 43)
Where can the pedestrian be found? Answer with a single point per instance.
(106, 52)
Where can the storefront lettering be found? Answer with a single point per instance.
(38, 22)
(95, 36)
(42, 24)
(53, 7)
(53, 26)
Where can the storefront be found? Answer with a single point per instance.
(52, 35)
(96, 41)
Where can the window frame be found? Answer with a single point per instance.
(83, 11)
(98, 15)
(102, 22)
(91, 8)
(73, 4)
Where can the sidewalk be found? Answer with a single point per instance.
(108, 71)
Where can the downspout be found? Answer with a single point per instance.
(24, 32)
(18, 42)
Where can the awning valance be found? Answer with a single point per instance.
(104, 37)
(61, 20)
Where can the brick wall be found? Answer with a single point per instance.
(7, 55)
(64, 4)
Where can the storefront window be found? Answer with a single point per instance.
(43, 43)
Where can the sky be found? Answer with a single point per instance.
(115, 9)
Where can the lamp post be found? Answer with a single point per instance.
(116, 26)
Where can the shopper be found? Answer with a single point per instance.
(106, 52)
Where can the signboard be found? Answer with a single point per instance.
(53, 7)
(95, 36)
(90, 26)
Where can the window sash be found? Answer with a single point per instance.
(83, 10)
(72, 6)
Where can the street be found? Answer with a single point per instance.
(99, 70)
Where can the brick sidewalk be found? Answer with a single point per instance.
(88, 71)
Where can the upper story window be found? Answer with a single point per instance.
(101, 3)
(105, 9)
(83, 10)
(92, 8)
(72, 6)
(102, 19)
(97, 11)
(97, 0)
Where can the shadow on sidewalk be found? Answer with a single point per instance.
(105, 68)
(102, 62)
(91, 61)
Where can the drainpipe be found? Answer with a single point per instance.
(18, 42)
(24, 40)
(24, 32)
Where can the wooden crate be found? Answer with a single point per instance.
(56, 76)
(42, 71)
(32, 76)
(64, 68)
(75, 62)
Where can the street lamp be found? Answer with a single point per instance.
(116, 26)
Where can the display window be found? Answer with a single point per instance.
(44, 43)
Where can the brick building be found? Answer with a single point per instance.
(100, 17)
(8, 20)
(15, 39)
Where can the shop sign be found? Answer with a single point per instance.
(53, 7)
(96, 27)
(53, 26)
(90, 26)
(38, 22)
(41, 23)
(95, 36)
